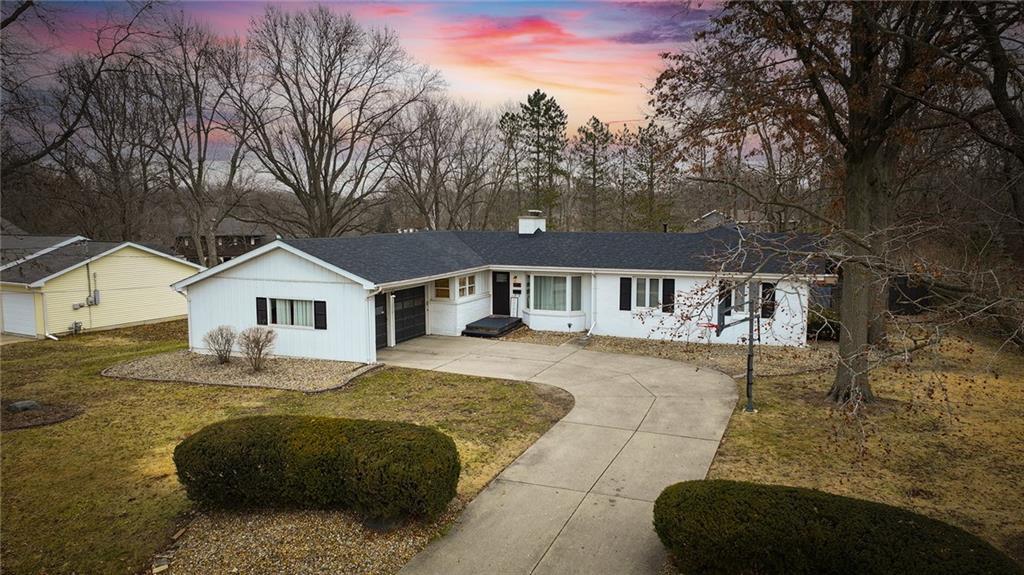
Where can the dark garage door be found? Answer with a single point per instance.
(410, 313)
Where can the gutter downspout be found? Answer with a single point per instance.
(593, 302)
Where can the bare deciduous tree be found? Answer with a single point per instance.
(447, 167)
(114, 175)
(204, 160)
(320, 96)
(31, 131)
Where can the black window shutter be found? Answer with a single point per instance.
(668, 295)
(725, 297)
(767, 300)
(261, 311)
(320, 315)
(625, 294)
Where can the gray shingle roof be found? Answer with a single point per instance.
(60, 259)
(386, 258)
(14, 247)
(383, 258)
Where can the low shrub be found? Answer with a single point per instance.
(382, 470)
(221, 340)
(735, 527)
(256, 344)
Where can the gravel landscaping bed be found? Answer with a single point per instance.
(298, 541)
(527, 335)
(309, 375)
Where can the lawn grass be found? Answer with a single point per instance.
(98, 493)
(946, 439)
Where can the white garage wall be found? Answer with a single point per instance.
(229, 298)
(693, 295)
(449, 317)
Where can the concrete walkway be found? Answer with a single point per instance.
(579, 500)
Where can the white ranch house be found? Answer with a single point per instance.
(343, 298)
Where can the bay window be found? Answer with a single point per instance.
(549, 293)
(555, 293)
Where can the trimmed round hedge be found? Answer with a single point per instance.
(383, 470)
(720, 526)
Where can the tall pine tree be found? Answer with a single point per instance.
(591, 150)
(543, 131)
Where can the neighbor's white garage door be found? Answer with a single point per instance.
(19, 313)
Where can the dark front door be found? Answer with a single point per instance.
(410, 313)
(499, 304)
(380, 319)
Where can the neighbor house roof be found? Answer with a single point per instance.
(389, 258)
(227, 227)
(17, 247)
(66, 257)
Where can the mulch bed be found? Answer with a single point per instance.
(47, 414)
(298, 374)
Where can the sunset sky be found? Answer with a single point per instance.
(595, 58)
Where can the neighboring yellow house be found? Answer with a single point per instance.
(55, 285)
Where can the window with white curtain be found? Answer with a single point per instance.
(291, 312)
(577, 293)
(549, 293)
(648, 292)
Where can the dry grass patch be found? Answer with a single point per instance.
(98, 493)
(730, 359)
(945, 440)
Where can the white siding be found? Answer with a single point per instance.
(450, 316)
(229, 298)
(694, 297)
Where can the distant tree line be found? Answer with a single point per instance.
(312, 124)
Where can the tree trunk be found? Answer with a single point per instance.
(197, 241)
(880, 222)
(851, 382)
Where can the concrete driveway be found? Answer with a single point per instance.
(581, 499)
